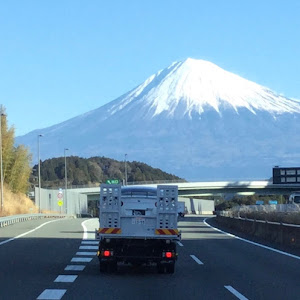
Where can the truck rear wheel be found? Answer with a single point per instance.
(161, 268)
(103, 266)
(112, 266)
(170, 268)
(166, 268)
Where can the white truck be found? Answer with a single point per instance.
(138, 225)
(294, 198)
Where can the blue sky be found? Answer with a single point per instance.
(59, 59)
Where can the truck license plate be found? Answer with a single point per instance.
(138, 221)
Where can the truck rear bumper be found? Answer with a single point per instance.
(137, 250)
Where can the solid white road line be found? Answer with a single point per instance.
(85, 234)
(90, 242)
(88, 247)
(23, 234)
(253, 243)
(235, 292)
(197, 260)
(91, 253)
(51, 294)
(180, 244)
(81, 259)
(74, 268)
(65, 278)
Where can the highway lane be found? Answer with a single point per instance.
(30, 262)
(211, 265)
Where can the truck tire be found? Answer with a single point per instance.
(161, 268)
(170, 268)
(112, 267)
(103, 266)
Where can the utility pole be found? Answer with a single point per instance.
(39, 170)
(1, 159)
(66, 180)
(125, 169)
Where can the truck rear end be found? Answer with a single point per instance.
(138, 225)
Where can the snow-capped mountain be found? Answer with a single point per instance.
(192, 119)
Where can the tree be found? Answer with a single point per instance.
(15, 160)
(18, 176)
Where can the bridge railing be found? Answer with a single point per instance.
(5, 221)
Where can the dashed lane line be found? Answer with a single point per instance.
(90, 242)
(51, 294)
(90, 253)
(74, 267)
(235, 292)
(66, 278)
(180, 244)
(196, 259)
(88, 247)
(57, 294)
(81, 259)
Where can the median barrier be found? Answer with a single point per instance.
(279, 233)
(5, 221)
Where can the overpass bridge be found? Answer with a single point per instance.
(80, 198)
(193, 189)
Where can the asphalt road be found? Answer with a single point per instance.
(57, 261)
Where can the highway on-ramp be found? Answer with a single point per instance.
(56, 259)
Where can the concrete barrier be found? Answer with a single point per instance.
(5, 221)
(279, 233)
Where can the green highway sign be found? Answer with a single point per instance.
(112, 181)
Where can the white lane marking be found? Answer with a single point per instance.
(51, 294)
(90, 242)
(180, 244)
(197, 260)
(74, 268)
(81, 259)
(88, 247)
(253, 243)
(65, 278)
(85, 234)
(235, 292)
(25, 233)
(91, 253)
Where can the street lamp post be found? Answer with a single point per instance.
(39, 170)
(125, 169)
(66, 180)
(1, 163)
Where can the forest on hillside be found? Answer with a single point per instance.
(95, 170)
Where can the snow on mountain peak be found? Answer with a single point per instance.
(194, 85)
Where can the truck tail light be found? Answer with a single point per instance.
(107, 253)
(168, 254)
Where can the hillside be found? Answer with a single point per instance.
(95, 170)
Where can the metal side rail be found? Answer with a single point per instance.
(5, 221)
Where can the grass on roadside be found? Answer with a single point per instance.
(15, 204)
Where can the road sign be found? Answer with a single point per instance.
(273, 202)
(112, 181)
(60, 202)
(60, 195)
(260, 202)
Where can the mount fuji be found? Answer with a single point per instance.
(192, 119)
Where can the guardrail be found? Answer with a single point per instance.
(5, 221)
(260, 221)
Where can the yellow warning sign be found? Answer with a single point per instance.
(60, 202)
